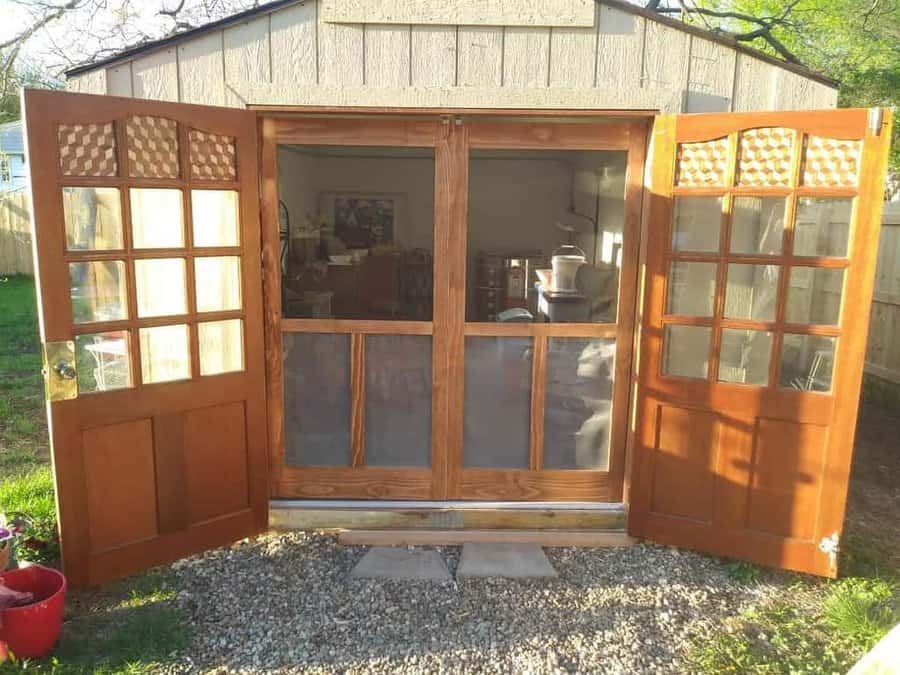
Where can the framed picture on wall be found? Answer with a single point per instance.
(365, 220)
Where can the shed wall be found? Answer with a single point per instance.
(292, 56)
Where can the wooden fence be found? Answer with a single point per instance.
(883, 352)
(15, 234)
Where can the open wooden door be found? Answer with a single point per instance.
(759, 275)
(764, 233)
(146, 220)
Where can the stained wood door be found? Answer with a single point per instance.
(148, 256)
(763, 234)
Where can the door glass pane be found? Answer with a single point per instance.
(161, 288)
(823, 226)
(686, 351)
(398, 400)
(316, 399)
(751, 292)
(497, 402)
(545, 235)
(93, 218)
(215, 217)
(165, 355)
(814, 296)
(218, 282)
(221, 346)
(357, 232)
(697, 223)
(757, 225)
(102, 361)
(578, 404)
(98, 291)
(744, 356)
(157, 218)
(691, 288)
(807, 362)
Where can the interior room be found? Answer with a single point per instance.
(357, 233)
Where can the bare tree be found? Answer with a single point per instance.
(716, 21)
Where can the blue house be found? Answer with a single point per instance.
(13, 172)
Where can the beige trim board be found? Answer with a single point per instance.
(551, 538)
(461, 12)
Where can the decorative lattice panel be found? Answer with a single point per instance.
(703, 164)
(831, 162)
(212, 156)
(87, 150)
(152, 147)
(764, 157)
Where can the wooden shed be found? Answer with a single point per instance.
(550, 271)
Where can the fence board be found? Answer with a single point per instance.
(883, 352)
(15, 234)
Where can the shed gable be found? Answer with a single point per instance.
(295, 54)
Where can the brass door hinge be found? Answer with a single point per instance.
(60, 376)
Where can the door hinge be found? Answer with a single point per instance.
(876, 120)
(60, 377)
(831, 546)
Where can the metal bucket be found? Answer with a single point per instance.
(565, 262)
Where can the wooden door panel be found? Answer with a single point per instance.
(747, 452)
(163, 452)
(682, 463)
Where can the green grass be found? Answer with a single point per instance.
(128, 627)
(812, 626)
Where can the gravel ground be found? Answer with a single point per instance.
(285, 603)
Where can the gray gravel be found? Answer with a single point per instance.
(286, 603)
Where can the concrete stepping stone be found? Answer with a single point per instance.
(400, 562)
(514, 561)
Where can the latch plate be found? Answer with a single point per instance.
(60, 377)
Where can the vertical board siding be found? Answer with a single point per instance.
(620, 44)
(387, 55)
(433, 56)
(247, 58)
(666, 55)
(341, 54)
(754, 84)
(155, 76)
(92, 82)
(118, 80)
(293, 43)
(573, 56)
(526, 57)
(710, 77)
(201, 70)
(480, 59)
(292, 55)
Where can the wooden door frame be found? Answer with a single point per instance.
(450, 134)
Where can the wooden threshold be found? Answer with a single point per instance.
(449, 518)
(583, 538)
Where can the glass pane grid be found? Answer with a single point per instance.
(780, 262)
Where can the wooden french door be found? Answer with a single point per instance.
(147, 247)
(537, 410)
(763, 234)
(327, 373)
(324, 372)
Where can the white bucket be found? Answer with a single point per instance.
(565, 265)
